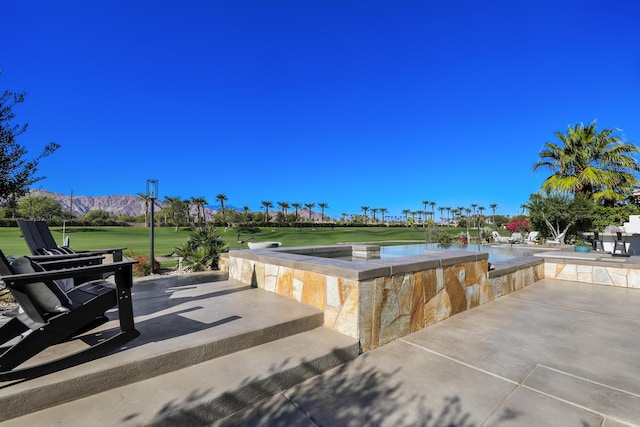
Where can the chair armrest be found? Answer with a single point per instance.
(56, 264)
(116, 252)
(45, 258)
(123, 272)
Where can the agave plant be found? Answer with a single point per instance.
(202, 249)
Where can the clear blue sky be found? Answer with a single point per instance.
(350, 103)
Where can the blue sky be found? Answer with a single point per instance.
(349, 103)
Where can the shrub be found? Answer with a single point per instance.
(202, 249)
(143, 267)
(519, 226)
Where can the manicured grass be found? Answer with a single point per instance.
(166, 239)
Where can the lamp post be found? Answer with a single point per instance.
(152, 193)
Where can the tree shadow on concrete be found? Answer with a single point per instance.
(342, 396)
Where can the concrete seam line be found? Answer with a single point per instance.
(461, 362)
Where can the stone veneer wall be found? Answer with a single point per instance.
(379, 300)
(612, 272)
(514, 274)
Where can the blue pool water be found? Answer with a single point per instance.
(496, 253)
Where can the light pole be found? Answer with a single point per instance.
(152, 193)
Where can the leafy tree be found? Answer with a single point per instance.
(177, 210)
(99, 216)
(17, 173)
(39, 208)
(604, 216)
(589, 162)
(559, 214)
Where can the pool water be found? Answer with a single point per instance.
(496, 253)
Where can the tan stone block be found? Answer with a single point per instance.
(394, 330)
(454, 288)
(417, 304)
(314, 289)
(497, 285)
(347, 319)
(568, 272)
(284, 286)
(405, 294)
(601, 276)
(633, 279)
(472, 293)
(437, 308)
(474, 272)
(618, 276)
(430, 283)
(486, 293)
(584, 273)
(550, 269)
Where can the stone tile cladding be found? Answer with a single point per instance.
(598, 273)
(379, 310)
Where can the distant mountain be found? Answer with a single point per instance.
(119, 205)
(134, 205)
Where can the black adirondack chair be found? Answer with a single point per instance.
(54, 315)
(41, 242)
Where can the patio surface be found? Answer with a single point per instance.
(556, 353)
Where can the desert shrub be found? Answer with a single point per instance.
(143, 267)
(202, 249)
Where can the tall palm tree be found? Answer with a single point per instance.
(221, 198)
(586, 161)
(433, 209)
(200, 202)
(267, 205)
(283, 208)
(424, 204)
(145, 197)
(406, 213)
(296, 206)
(323, 206)
(382, 212)
(364, 209)
(309, 206)
(493, 207)
(373, 213)
(480, 209)
(474, 206)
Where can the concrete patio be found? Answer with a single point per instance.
(215, 352)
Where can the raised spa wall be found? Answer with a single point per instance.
(378, 300)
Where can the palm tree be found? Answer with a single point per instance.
(323, 206)
(373, 213)
(364, 209)
(474, 206)
(296, 206)
(590, 162)
(433, 209)
(441, 209)
(283, 208)
(480, 209)
(382, 212)
(267, 205)
(406, 213)
(245, 211)
(493, 207)
(221, 198)
(200, 202)
(309, 206)
(424, 203)
(145, 197)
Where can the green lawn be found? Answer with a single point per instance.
(166, 239)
